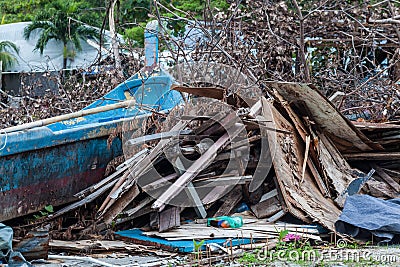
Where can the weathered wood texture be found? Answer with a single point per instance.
(326, 115)
(298, 194)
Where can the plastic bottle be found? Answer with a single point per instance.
(242, 207)
(225, 222)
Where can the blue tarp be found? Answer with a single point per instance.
(6, 236)
(7, 255)
(364, 215)
(137, 236)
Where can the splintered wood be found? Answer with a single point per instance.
(293, 153)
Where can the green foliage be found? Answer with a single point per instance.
(134, 11)
(6, 54)
(250, 258)
(49, 208)
(43, 213)
(282, 235)
(23, 10)
(26, 10)
(197, 245)
(93, 12)
(136, 34)
(197, 6)
(197, 249)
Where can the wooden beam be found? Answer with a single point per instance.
(195, 168)
(169, 219)
(194, 197)
(120, 204)
(191, 191)
(231, 180)
(389, 180)
(267, 208)
(81, 113)
(152, 137)
(230, 201)
(373, 156)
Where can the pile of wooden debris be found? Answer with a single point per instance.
(293, 153)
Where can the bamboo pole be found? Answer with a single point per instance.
(73, 115)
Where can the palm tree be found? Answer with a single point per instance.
(7, 59)
(56, 23)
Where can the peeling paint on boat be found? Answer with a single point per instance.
(49, 164)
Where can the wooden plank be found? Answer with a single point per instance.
(372, 156)
(120, 204)
(188, 232)
(269, 195)
(386, 178)
(265, 227)
(190, 190)
(375, 126)
(139, 206)
(153, 137)
(282, 169)
(216, 181)
(157, 184)
(298, 194)
(139, 212)
(200, 164)
(266, 208)
(215, 194)
(230, 201)
(306, 132)
(195, 199)
(91, 245)
(140, 167)
(265, 161)
(318, 179)
(255, 109)
(81, 113)
(338, 171)
(379, 189)
(276, 217)
(147, 163)
(393, 173)
(325, 115)
(169, 218)
(83, 201)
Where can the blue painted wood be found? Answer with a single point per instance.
(136, 236)
(49, 164)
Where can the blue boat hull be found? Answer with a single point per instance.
(49, 164)
(53, 175)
